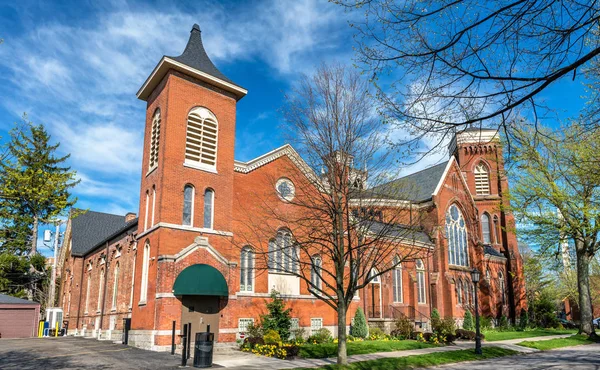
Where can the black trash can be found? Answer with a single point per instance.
(203, 349)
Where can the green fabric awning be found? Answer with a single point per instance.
(200, 279)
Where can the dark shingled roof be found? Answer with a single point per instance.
(6, 299)
(90, 229)
(397, 230)
(488, 249)
(416, 187)
(195, 56)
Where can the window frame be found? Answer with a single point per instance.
(115, 287)
(154, 144)
(486, 222)
(421, 282)
(313, 328)
(277, 257)
(456, 235)
(247, 269)
(191, 205)
(481, 174)
(316, 276)
(397, 281)
(145, 273)
(203, 114)
(212, 209)
(100, 289)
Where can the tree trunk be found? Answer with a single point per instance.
(342, 357)
(583, 287)
(34, 237)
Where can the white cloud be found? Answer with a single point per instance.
(80, 79)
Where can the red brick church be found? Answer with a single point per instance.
(179, 260)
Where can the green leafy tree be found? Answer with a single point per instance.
(468, 321)
(278, 318)
(35, 184)
(556, 194)
(524, 319)
(359, 327)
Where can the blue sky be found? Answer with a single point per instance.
(76, 66)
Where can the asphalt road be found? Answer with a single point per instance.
(573, 358)
(79, 353)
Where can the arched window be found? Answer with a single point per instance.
(201, 139)
(145, 267)
(147, 207)
(315, 272)
(482, 180)
(502, 286)
(283, 255)
(100, 289)
(497, 229)
(421, 288)
(397, 280)
(373, 277)
(486, 229)
(188, 205)
(132, 279)
(488, 275)
(459, 291)
(87, 292)
(209, 199)
(154, 140)
(456, 233)
(247, 269)
(153, 204)
(472, 293)
(115, 287)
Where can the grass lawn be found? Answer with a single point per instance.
(431, 359)
(545, 345)
(493, 336)
(359, 348)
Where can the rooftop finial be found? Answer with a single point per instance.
(196, 27)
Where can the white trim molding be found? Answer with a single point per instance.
(167, 63)
(199, 242)
(201, 230)
(481, 136)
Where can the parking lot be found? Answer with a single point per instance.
(79, 353)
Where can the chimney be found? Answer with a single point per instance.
(130, 216)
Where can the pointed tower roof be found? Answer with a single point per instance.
(194, 61)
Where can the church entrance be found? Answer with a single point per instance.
(203, 293)
(200, 311)
(374, 299)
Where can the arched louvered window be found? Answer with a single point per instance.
(459, 291)
(456, 233)
(486, 229)
(421, 287)
(201, 139)
(188, 205)
(315, 272)
(154, 141)
(247, 269)
(397, 280)
(283, 255)
(482, 180)
(209, 199)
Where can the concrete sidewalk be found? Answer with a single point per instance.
(250, 361)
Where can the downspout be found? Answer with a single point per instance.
(104, 289)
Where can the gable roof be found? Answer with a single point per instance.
(6, 299)
(404, 232)
(416, 187)
(91, 228)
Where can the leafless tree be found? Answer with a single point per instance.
(445, 65)
(335, 225)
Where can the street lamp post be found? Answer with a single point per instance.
(475, 279)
